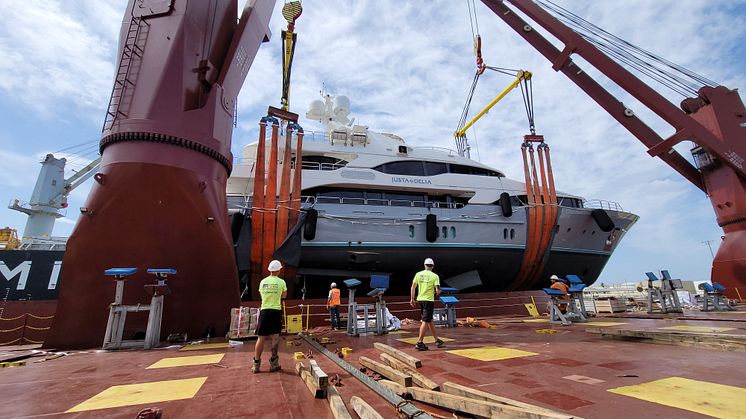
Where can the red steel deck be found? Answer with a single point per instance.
(571, 371)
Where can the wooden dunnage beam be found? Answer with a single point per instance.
(417, 378)
(339, 410)
(459, 390)
(386, 371)
(400, 355)
(312, 385)
(320, 376)
(364, 410)
(395, 387)
(719, 341)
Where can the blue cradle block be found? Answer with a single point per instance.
(448, 299)
(717, 286)
(351, 283)
(158, 271)
(554, 292)
(120, 271)
(448, 290)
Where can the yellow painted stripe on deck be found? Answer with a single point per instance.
(491, 353)
(201, 346)
(428, 339)
(699, 328)
(183, 361)
(132, 394)
(537, 321)
(399, 332)
(602, 324)
(703, 397)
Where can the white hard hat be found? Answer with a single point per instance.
(334, 285)
(429, 261)
(554, 277)
(274, 266)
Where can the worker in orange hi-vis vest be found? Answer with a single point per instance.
(332, 304)
(559, 284)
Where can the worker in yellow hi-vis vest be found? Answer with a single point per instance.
(427, 284)
(332, 304)
(273, 290)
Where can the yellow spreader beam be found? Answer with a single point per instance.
(522, 75)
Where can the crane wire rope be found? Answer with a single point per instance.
(675, 77)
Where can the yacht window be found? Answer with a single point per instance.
(435, 168)
(470, 170)
(453, 232)
(445, 232)
(410, 168)
(411, 231)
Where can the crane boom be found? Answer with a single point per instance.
(715, 121)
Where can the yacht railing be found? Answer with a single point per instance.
(312, 165)
(310, 200)
(443, 149)
(602, 204)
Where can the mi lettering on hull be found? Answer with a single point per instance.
(30, 275)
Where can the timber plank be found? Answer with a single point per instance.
(719, 341)
(400, 355)
(321, 377)
(364, 410)
(459, 390)
(395, 387)
(473, 406)
(386, 371)
(417, 378)
(339, 410)
(311, 383)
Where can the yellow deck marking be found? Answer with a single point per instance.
(491, 353)
(602, 324)
(182, 361)
(428, 339)
(399, 332)
(131, 394)
(699, 328)
(537, 321)
(201, 346)
(697, 396)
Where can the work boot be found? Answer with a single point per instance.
(421, 346)
(274, 364)
(256, 366)
(439, 343)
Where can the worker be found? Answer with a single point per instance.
(332, 304)
(559, 284)
(273, 290)
(427, 284)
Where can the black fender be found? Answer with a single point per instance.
(603, 220)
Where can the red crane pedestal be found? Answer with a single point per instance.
(159, 198)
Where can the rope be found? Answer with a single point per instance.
(14, 341)
(37, 328)
(675, 77)
(12, 330)
(14, 318)
(40, 317)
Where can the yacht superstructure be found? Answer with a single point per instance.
(383, 206)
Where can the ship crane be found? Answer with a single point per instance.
(713, 117)
(50, 196)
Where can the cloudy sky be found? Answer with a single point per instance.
(407, 67)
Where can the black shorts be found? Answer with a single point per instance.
(270, 322)
(426, 310)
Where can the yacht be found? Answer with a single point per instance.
(381, 206)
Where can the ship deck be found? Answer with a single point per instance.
(569, 370)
